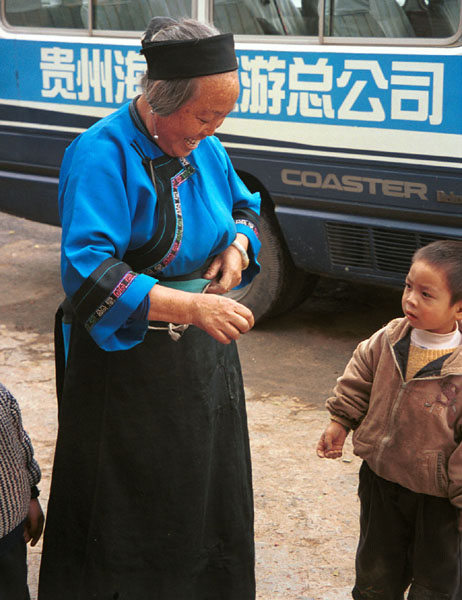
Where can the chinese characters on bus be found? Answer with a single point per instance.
(330, 88)
(350, 89)
(99, 76)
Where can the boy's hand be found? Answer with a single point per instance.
(33, 526)
(331, 442)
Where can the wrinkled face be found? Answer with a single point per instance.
(181, 132)
(426, 299)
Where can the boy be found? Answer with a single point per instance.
(21, 517)
(401, 393)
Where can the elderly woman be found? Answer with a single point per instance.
(151, 495)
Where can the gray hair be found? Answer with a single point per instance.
(166, 96)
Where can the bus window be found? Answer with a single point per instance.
(433, 18)
(132, 15)
(121, 15)
(390, 18)
(366, 19)
(44, 13)
(264, 17)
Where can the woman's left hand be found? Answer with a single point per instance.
(225, 272)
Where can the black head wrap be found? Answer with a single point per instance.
(183, 59)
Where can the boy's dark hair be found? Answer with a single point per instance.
(446, 255)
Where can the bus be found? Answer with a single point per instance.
(348, 123)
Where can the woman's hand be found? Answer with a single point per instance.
(225, 272)
(222, 318)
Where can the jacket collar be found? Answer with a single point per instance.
(399, 335)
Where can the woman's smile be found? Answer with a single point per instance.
(191, 143)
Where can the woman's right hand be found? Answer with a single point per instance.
(222, 318)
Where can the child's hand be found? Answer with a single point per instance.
(33, 526)
(331, 442)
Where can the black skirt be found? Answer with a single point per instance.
(151, 495)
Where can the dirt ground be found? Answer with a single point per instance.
(306, 508)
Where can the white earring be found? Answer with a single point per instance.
(154, 135)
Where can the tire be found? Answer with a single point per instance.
(279, 286)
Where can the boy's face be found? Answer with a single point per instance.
(426, 299)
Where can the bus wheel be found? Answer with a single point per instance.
(279, 286)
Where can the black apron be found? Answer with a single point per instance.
(152, 494)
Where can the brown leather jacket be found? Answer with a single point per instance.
(408, 432)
